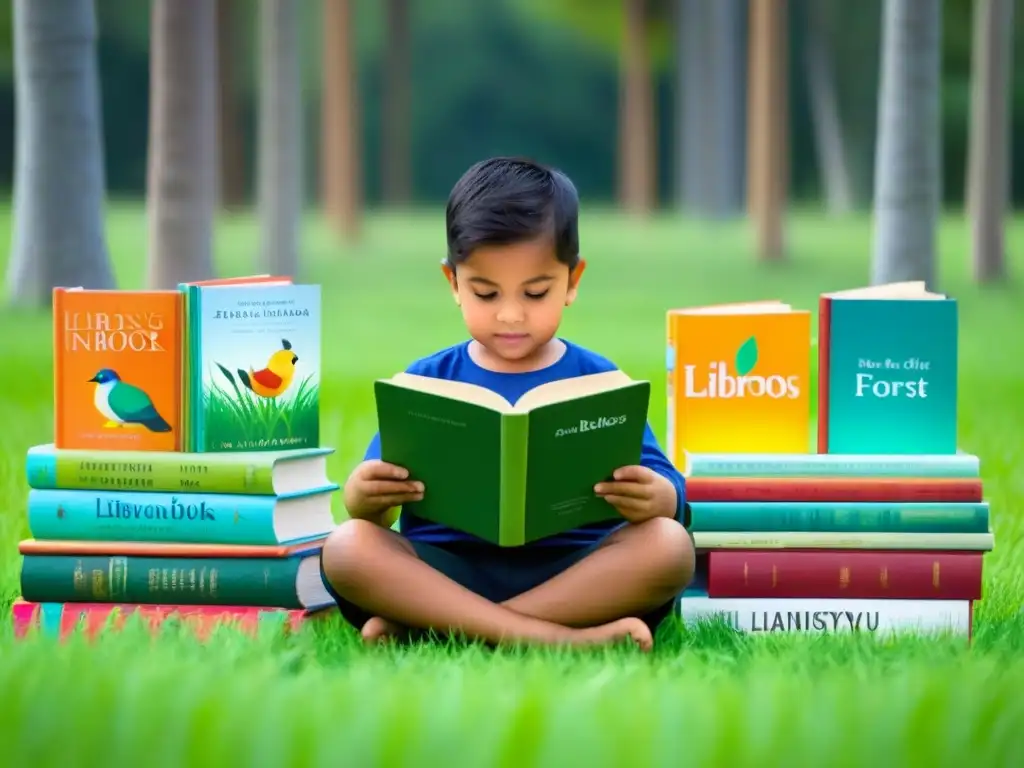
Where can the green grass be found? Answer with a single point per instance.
(240, 420)
(705, 697)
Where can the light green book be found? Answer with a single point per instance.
(512, 473)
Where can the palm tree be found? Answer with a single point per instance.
(59, 180)
(341, 171)
(280, 135)
(637, 135)
(768, 125)
(907, 155)
(183, 158)
(988, 168)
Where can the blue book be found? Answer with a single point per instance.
(887, 371)
(191, 518)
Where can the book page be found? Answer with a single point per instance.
(771, 306)
(570, 389)
(911, 289)
(455, 390)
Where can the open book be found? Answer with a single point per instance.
(512, 473)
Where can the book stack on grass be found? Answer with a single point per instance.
(186, 476)
(884, 527)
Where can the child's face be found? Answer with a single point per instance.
(512, 297)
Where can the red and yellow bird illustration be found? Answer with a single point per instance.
(273, 380)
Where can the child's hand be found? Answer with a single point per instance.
(376, 486)
(639, 493)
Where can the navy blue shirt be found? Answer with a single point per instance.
(454, 363)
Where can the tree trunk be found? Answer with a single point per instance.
(768, 126)
(907, 157)
(342, 173)
(637, 178)
(183, 157)
(988, 159)
(396, 146)
(59, 180)
(231, 140)
(280, 135)
(830, 139)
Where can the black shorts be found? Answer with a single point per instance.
(496, 573)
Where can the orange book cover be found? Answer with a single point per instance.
(164, 549)
(738, 380)
(117, 372)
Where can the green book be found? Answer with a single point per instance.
(512, 473)
(887, 371)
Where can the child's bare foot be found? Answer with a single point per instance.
(377, 630)
(614, 631)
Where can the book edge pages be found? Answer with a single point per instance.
(563, 390)
(768, 307)
(911, 289)
(453, 390)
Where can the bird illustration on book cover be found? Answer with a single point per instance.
(117, 370)
(260, 350)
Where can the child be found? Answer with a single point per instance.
(513, 265)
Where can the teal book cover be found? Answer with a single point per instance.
(254, 367)
(892, 376)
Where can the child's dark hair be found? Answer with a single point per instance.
(507, 200)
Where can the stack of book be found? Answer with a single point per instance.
(877, 524)
(186, 476)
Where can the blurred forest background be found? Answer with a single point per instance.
(472, 78)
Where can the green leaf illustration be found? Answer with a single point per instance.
(746, 356)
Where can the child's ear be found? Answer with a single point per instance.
(574, 281)
(449, 276)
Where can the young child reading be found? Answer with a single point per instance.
(513, 266)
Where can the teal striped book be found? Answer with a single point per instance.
(199, 518)
(840, 517)
(954, 465)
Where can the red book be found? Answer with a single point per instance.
(864, 574)
(828, 489)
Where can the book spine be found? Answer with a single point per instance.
(65, 619)
(705, 540)
(515, 442)
(672, 449)
(846, 574)
(163, 472)
(818, 616)
(824, 347)
(876, 489)
(194, 581)
(151, 517)
(839, 517)
(959, 465)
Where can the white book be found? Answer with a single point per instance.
(821, 615)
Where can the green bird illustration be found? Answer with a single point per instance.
(124, 404)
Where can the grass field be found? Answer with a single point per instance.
(701, 698)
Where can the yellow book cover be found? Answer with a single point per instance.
(738, 379)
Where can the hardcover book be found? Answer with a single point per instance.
(117, 370)
(512, 474)
(887, 371)
(264, 473)
(254, 366)
(738, 380)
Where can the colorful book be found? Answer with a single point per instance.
(132, 572)
(887, 371)
(524, 471)
(253, 366)
(63, 620)
(709, 540)
(828, 615)
(186, 518)
(846, 489)
(847, 574)
(823, 465)
(839, 517)
(738, 380)
(269, 473)
(117, 370)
